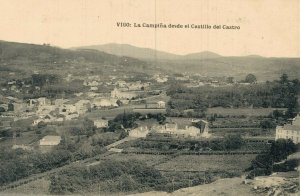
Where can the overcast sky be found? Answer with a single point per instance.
(268, 27)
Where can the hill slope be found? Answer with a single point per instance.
(209, 63)
(20, 60)
(12, 51)
(238, 67)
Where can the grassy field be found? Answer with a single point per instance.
(207, 163)
(240, 111)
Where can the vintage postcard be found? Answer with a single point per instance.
(149, 97)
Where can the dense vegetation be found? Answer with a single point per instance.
(128, 120)
(128, 176)
(228, 143)
(113, 176)
(18, 164)
(263, 164)
(276, 94)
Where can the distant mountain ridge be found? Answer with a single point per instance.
(30, 57)
(202, 55)
(208, 63)
(131, 51)
(147, 53)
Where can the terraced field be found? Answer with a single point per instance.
(236, 163)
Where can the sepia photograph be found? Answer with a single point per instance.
(150, 97)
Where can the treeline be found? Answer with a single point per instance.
(277, 94)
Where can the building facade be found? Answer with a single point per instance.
(290, 131)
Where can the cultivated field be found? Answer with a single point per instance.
(210, 163)
(150, 160)
(240, 111)
(152, 111)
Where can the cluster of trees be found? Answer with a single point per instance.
(128, 120)
(82, 127)
(52, 86)
(267, 124)
(286, 93)
(114, 176)
(277, 94)
(123, 121)
(18, 164)
(250, 78)
(42, 80)
(49, 85)
(263, 164)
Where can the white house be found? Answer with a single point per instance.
(139, 132)
(45, 109)
(161, 104)
(43, 101)
(101, 123)
(121, 83)
(290, 131)
(123, 94)
(50, 140)
(82, 106)
(59, 102)
(92, 83)
(103, 102)
(187, 131)
(94, 88)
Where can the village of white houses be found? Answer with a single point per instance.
(123, 118)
